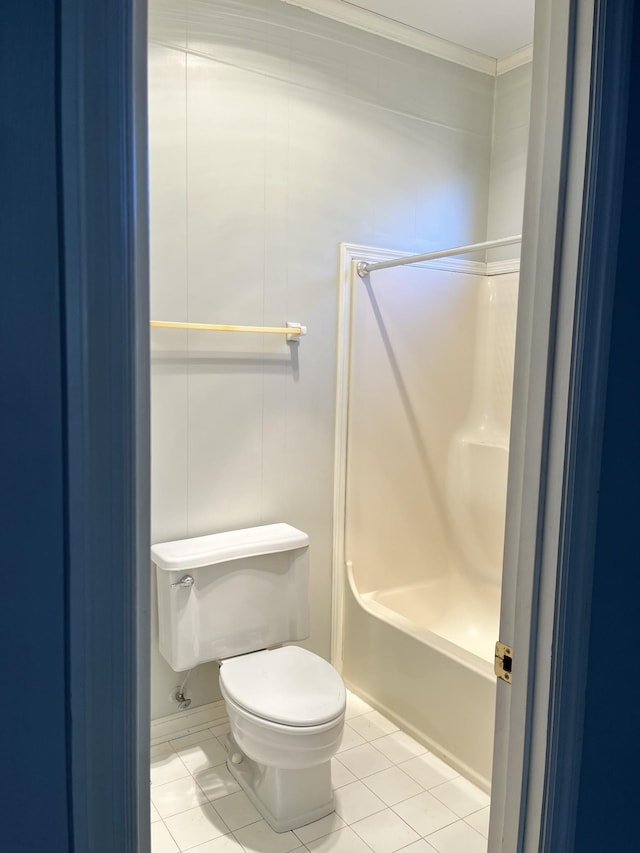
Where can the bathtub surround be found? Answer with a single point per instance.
(276, 134)
(420, 494)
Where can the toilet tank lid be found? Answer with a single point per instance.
(223, 547)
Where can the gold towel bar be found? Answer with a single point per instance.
(293, 331)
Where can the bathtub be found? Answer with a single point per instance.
(430, 368)
(426, 682)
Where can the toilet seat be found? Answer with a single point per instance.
(290, 686)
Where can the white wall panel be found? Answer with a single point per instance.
(275, 134)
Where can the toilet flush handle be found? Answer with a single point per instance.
(185, 581)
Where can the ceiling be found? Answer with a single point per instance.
(495, 28)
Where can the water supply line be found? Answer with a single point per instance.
(178, 694)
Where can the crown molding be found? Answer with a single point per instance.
(503, 267)
(378, 25)
(519, 57)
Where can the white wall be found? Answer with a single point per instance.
(509, 158)
(274, 135)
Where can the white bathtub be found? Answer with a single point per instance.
(427, 682)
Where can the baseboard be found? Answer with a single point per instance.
(188, 722)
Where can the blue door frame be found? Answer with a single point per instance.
(102, 144)
(74, 426)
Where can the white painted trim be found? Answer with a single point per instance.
(551, 308)
(346, 261)
(362, 19)
(503, 267)
(187, 722)
(519, 57)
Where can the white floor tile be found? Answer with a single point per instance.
(428, 770)
(355, 801)
(237, 810)
(385, 832)
(461, 796)
(200, 756)
(196, 826)
(425, 814)
(175, 797)
(167, 768)
(356, 706)
(419, 847)
(399, 747)
(161, 750)
(224, 844)
(372, 725)
(217, 782)
(388, 789)
(350, 739)
(458, 838)
(161, 840)
(340, 775)
(480, 821)
(364, 760)
(343, 841)
(319, 828)
(392, 786)
(260, 838)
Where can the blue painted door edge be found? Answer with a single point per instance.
(599, 231)
(103, 210)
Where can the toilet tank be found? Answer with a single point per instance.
(231, 593)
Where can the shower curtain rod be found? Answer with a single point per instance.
(364, 268)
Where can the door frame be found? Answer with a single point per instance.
(571, 222)
(102, 210)
(561, 401)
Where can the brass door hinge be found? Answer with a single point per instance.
(503, 662)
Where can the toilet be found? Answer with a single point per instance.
(235, 597)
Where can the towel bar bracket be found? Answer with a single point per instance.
(294, 337)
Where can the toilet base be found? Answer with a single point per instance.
(287, 799)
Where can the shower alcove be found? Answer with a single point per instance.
(424, 408)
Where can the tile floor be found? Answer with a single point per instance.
(391, 794)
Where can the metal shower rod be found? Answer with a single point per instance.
(365, 268)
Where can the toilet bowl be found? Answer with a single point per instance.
(286, 712)
(233, 597)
